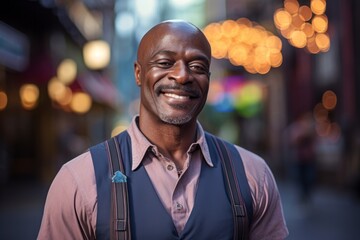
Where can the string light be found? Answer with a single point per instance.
(245, 43)
(304, 26)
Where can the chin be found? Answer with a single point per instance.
(176, 120)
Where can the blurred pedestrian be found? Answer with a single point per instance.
(177, 185)
(303, 139)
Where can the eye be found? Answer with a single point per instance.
(199, 68)
(164, 63)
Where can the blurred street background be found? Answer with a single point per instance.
(285, 84)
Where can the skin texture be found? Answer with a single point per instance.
(172, 71)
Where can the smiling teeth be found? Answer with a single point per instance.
(172, 95)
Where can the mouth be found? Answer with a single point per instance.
(176, 96)
(178, 93)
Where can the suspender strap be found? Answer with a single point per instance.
(109, 169)
(99, 155)
(120, 225)
(238, 189)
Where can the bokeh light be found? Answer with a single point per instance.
(81, 102)
(246, 44)
(320, 113)
(29, 95)
(298, 39)
(56, 89)
(320, 24)
(3, 100)
(324, 126)
(329, 100)
(236, 94)
(305, 13)
(67, 71)
(304, 26)
(282, 19)
(318, 6)
(322, 42)
(96, 54)
(292, 6)
(247, 99)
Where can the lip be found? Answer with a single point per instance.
(176, 96)
(179, 93)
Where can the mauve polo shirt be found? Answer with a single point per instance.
(71, 205)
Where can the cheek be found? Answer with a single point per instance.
(153, 76)
(157, 75)
(149, 85)
(204, 85)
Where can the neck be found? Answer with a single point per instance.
(173, 141)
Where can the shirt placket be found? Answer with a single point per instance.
(179, 207)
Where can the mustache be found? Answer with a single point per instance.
(187, 89)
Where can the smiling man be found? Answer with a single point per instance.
(176, 181)
(173, 73)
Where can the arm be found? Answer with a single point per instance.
(68, 214)
(268, 221)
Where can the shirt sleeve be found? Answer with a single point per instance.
(68, 212)
(268, 221)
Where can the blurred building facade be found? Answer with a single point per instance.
(39, 134)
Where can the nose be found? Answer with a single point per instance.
(180, 73)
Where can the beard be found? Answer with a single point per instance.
(175, 120)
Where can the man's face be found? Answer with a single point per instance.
(174, 75)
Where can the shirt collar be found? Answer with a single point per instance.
(140, 145)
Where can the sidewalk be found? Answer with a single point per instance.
(330, 215)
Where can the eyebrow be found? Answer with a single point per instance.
(165, 52)
(201, 57)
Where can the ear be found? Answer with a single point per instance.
(137, 72)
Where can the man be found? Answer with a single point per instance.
(168, 145)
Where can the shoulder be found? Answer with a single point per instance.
(258, 173)
(75, 185)
(77, 176)
(81, 168)
(255, 166)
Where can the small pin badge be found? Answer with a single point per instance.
(118, 177)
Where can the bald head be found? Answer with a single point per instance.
(173, 28)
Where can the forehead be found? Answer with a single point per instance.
(176, 38)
